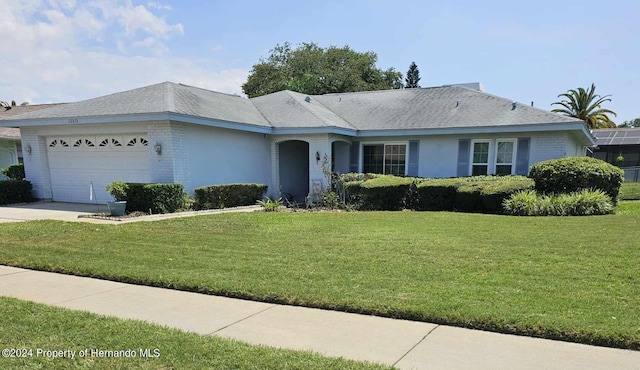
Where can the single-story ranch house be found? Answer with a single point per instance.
(171, 132)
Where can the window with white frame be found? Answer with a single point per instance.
(493, 157)
(480, 158)
(505, 156)
(387, 159)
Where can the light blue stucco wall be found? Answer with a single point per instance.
(222, 156)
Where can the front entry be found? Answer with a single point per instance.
(294, 170)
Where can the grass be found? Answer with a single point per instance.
(630, 191)
(567, 278)
(27, 325)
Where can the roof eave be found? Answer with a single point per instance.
(564, 126)
(140, 117)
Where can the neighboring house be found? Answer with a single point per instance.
(613, 143)
(10, 147)
(176, 133)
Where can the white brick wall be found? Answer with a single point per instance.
(161, 166)
(551, 145)
(36, 164)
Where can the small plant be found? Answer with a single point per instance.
(581, 203)
(619, 160)
(332, 200)
(14, 172)
(271, 205)
(118, 190)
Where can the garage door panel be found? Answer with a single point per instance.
(83, 161)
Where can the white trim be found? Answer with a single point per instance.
(492, 157)
(489, 156)
(513, 155)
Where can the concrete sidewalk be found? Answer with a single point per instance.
(401, 343)
(80, 212)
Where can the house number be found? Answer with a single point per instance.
(73, 120)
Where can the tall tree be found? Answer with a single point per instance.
(587, 106)
(311, 69)
(413, 76)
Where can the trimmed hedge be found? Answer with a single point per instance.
(14, 172)
(383, 193)
(15, 191)
(157, 197)
(228, 195)
(469, 194)
(571, 174)
(581, 203)
(438, 194)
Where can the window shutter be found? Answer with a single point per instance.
(354, 152)
(522, 156)
(464, 147)
(412, 168)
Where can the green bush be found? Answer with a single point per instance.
(15, 191)
(581, 203)
(118, 190)
(142, 197)
(469, 197)
(438, 194)
(568, 175)
(14, 172)
(383, 193)
(469, 194)
(496, 192)
(228, 195)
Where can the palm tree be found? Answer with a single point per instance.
(586, 105)
(8, 106)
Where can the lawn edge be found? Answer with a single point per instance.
(496, 327)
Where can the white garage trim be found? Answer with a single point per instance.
(77, 161)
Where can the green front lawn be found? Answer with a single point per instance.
(569, 278)
(630, 191)
(35, 329)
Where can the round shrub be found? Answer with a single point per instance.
(571, 174)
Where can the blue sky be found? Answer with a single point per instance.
(66, 50)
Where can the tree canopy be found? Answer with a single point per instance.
(413, 76)
(311, 69)
(633, 123)
(587, 106)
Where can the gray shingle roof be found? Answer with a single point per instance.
(288, 109)
(160, 98)
(617, 136)
(436, 107)
(420, 108)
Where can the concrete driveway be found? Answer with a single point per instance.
(48, 211)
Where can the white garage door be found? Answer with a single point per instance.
(76, 162)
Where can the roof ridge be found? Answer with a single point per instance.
(327, 124)
(169, 99)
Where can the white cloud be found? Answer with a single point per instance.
(157, 5)
(63, 51)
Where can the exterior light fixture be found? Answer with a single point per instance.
(158, 148)
(317, 157)
(27, 149)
